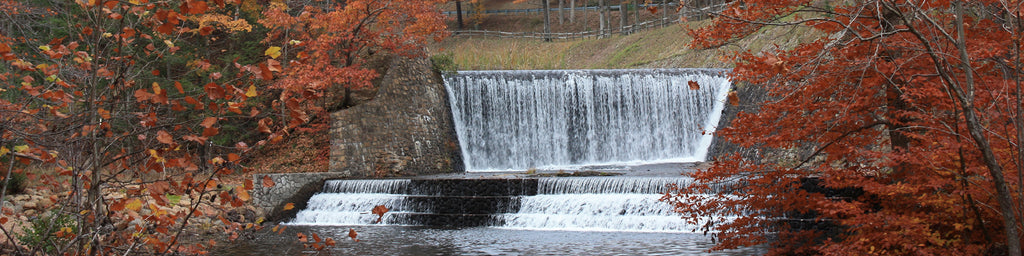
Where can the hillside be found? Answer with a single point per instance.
(655, 48)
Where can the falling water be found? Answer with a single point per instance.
(515, 120)
(348, 202)
(626, 204)
(599, 204)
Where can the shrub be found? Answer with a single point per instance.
(50, 232)
(444, 63)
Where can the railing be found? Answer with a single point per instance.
(692, 14)
(568, 35)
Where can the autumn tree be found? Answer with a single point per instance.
(317, 52)
(87, 92)
(916, 106)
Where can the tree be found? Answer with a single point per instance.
(917, 105)
(88, 89)
(129, 106)
(325, 48)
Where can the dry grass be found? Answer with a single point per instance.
(656, 48)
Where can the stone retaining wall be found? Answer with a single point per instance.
(406, 130)
(294, 188)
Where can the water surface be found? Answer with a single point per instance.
(407, 240)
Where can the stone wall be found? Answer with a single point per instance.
(406, 130)
(294, 188)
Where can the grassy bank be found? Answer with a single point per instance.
(656, 48)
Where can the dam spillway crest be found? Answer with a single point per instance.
(552, 119)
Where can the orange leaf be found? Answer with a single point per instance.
(243, 195)
(232, 157)
(274, 65)
(267, 181)
(693, 85)
(164, 137)
(352, 234)
(248, 184)
(143, 95)
(117, 206)
(380, 210)
(264, 125)
(103, 113)
(302, 237)
(265, 72)
(209, 122)
(214, 91)
(316, 238)
(289, 206)
(329, 242)
(734, 99)
(211, 185)
(210, 132)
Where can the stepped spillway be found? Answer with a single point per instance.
(624, 204)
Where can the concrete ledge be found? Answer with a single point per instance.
(295, 188)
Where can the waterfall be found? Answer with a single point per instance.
(516, 120)
(626, 204)
(599, 204)
(348, 202)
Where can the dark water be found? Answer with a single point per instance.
(398, 240)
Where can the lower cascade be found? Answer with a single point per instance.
(556, 119)
(627, 204)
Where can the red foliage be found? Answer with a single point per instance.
(886, 104)
(315, 48)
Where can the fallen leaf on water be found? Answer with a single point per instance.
(380, 210)
(352, 234)
(693, 85)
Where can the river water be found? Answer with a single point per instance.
(407, 240)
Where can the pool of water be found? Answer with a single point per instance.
(403, 240)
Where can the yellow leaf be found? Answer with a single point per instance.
(169, 43)
(289, 206)
(44, 47)
(4, 151)
(273, 52)
(156, 88)
(20, 149)
(134, 205)
(251, 92)
(135, 2)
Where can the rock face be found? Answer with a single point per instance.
(406, 130)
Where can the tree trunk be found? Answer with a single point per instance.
(561, 14)
(572, 11)
(623, 16)
(601, 19)
(547, 21)
(458, 10)
(976, 129)
(664, 13)
(636, 13)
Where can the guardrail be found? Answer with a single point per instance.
(540, 10)
(568, 36)
(692, 14)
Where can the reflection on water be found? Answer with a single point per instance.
(398, 240)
